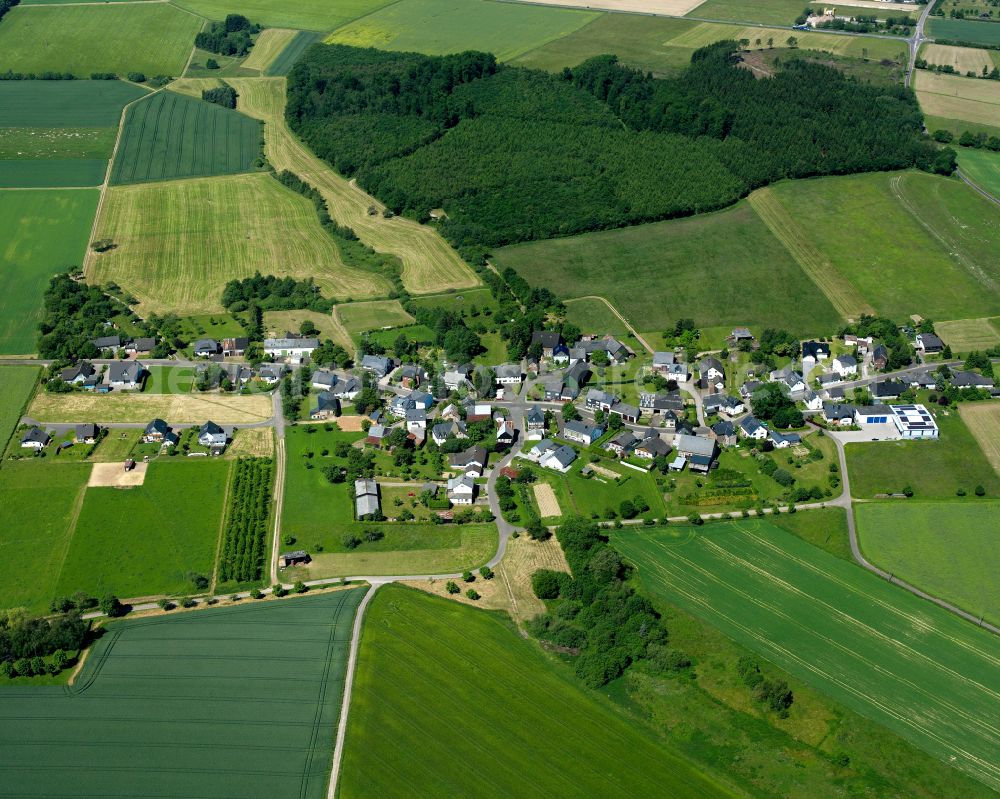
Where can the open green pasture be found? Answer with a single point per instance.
(502, 708)
(235, 701)
(964, 30)
(920, 671)
(38, 507)
(594, 316)
(934, 469)
(467, 303)
(169, 379)
(153, 38)
(47, 143)
(724, 268)
(43, 231)
(765, 12)
(172, 135)
(311, 15)
(437, 27)
(869, 226)
(982, 167)
(16, 386)
(358, 317)
(147, 540)
(949, 549)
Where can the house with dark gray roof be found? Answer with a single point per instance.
(142, 346)
(751, 428)
(86, 433)
(699, 451)
(887, 389)
(378, 365)
(125, 374)
(724, 432)
(838, 413)
(574, 379)
(108, 343)
(212, 436)
(205, 348)
(471, 461)
(628, 412)
(324, 379)
(598, 399)
(35, 438)
(327, 405)
(549, 339)
(963, 379)
(77, 374)
(652, 447)
(622, 444)
(928, 343)
(815, 351)
(581, 432)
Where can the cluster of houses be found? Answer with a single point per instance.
(210, 435)
(37, 439)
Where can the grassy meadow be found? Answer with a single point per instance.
(724, 268)
(437, 27)
(44, 232)
(764, 12)
(171, 135)
(964, 30)
(357, 317)
(594, 316)
(933, 469)
(173, 257)
(53, 104)
(197, 698)
(310, 15)
(133, 407)
(154, 38)
(962, 59)
(16, 386)
(420, 651)
(269, 45)
(983, 421)
(44, 144)
(965, 335)
(55, 173)
(851, 635)
(957, 97)
(948, 549)
(982, 167)
(39, 502)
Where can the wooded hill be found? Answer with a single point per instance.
(514, 154)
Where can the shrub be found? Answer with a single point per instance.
(351, 541)
(472, 594)
(288, 539)
(980, 491)
(278, 590)
(546, 583)
(255, 593)
(468, 576)
(111, 606)
(300, 587)
(486, 573)
(452, 587)
(695, 518)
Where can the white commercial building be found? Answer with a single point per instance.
(914, 421)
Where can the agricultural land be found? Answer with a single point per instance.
(964, 30)
(983, 167)
(958, 98)
(122, 407)
(744, 577)
(312, 15)
(17, 383)
(983, 422)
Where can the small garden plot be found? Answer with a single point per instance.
(257, 442)
(116, 446)
(403, 502)
(115, 475)
(248, 515)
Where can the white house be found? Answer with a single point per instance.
(35, 438)
(211, 435)
(508, 374)
(290, 349)
(324, 379)
(845, 365)
(751, 428)
(125, 374)
(461, 490)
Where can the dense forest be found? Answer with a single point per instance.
(513, 154)
(232, 36)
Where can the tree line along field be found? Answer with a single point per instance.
(230, 701)
(171, 135)
(174, 257)
(153, 38)
(437, 27)
(419, 651)
(915, 668)
(963, 59)
(430, 265)
(948, 549)
(44, 231)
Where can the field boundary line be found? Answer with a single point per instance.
(222, 527)
(74, 517)
(976, 187)
(616, 312)
(279, 502)
(841, 293)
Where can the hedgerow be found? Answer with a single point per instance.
(245, 538)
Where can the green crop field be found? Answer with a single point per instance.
(437, 27)
(360, 316)
(724, 268)
(44, 231)
(38, 507)
(172, 135)
(463, 302)
(932, 469)
(311, 15)
(235, 701)
(964, 30)
(868, 227)
(16, 386)
(65, 104)
(148, 540)
(948, 549)
(53, 173)
(174, 257)
(982, 167)
(922, 672)
(594, 316)
(285, 60)
(44, 143)
(966, 335)
(154, 38)
(765, 12)
(500, 704)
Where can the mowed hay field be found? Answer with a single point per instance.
(147, 540)
(358, 317)
(437, 27)
(965, 335)
(429, 264)
(44, 231)
(724, 268)
(39, 503)
(915, 668)
(982, 167)
(268, 47)
(948, 549)
(171, 135)
(285, 60)
(868, 227)
(420, 651)
(154, 38)
(312, 15)
(126, 407)
(959, 98)
(983, 421)
(963, 59)
(178, 242)
(228, 701)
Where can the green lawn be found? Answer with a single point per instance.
(154, 38)
(506, 717)
(949, 549)
(437, 27)
(387, 338)
(38, 504)
(724, 268)
(172, 135)
(229, 701)
(869, 226)
(314, 15)
(933, 469)
(148, 539)
(598, 494)
(16, 386)
(43, 144)
(462, 302)
(44, 231)
(858, 639)
(169, 380)
(982, 167)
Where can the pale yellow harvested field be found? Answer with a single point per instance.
(350, 424)
(983, 419)
(889, 8)
(522, 559)
(548, 505)
(276, 323)
(114, 475)
(430, 265)
(257, 442)
(194, 86)
(180, 241)
(954, 97)
(963, 59)
(270, 42)
(671, 8)
(139, 408)
(965, 335)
